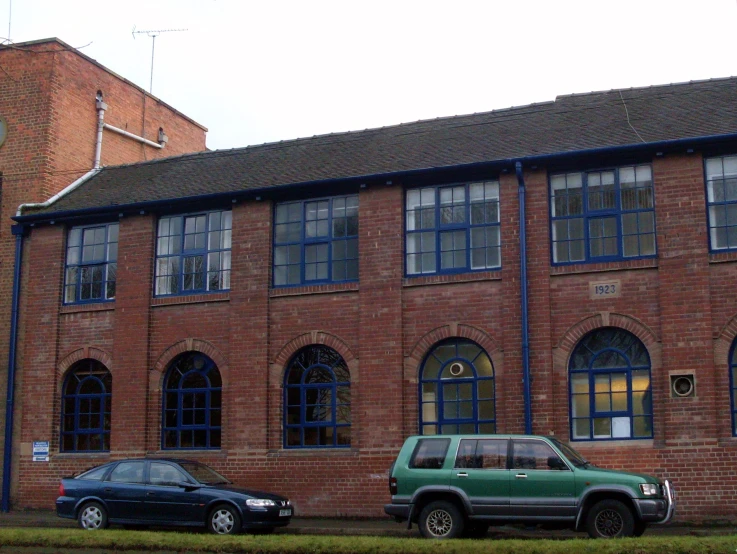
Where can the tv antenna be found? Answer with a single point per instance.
(153, 35)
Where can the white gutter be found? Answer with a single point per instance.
(132, 136)
(59, 195)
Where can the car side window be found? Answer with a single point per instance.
(482, 454)
(429, 454)
(164, 474)
(95, 474)
(536, 454)
(127, 472)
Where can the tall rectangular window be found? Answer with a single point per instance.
(602, 215)
(316, 241)
(193, 253)
(451, 229)
(721, 192)
(91, 263)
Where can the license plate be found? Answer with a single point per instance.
(285, 513)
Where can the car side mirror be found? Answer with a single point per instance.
(556, 463)
(191, 486)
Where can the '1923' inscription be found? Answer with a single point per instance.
(605, 289)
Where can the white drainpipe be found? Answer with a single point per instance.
(101, 107)
(57, 196)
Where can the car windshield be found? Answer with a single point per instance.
(574, 457)
(204, 474)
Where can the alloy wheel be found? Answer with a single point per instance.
(439, 523)
(609, 523)
(222, 522)
(91, 518)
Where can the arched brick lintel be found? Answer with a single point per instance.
(573, 334)
(86, 352)
(452, 330)
(313, 337)
(192, 345)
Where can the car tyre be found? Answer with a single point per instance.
(224, 520)
(609, 519)
(441, 520)
(640, 527)
(92, 516)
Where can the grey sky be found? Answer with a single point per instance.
(255, 72)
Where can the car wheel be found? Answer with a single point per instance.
(610, 519)
(224, 520)
(640, 527)
(441, 520)
(92, 516)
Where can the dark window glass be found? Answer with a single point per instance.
(85, 408)
(611, 396)
(91, 263)
(317, 400)
(192, 403)
(602, 215)
(429, 453)
(452, 228)
(193, 253)
(535, 454)
(482, 454)
(316, 241)
(127, 472)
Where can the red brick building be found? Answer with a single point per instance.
(49, 117)
(290, 312)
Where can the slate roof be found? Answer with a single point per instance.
(571, 123)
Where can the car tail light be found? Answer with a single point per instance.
(393, 486)
(61, 489)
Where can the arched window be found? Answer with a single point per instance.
(733, 385)
(317, 400)
(85, 408)
(610, 389)
(192, 403)
(457, 390)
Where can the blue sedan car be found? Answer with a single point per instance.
(167, 492)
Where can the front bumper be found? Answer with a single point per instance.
(270, 517)
(659, 510)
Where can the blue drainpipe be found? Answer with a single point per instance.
(523, 281)
(18, 231)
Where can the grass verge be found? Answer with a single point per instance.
(121, 540)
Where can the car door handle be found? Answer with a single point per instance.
(521, 476)
(108, 490)
(150, 494)
(462, 474)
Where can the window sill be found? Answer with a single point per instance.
(721, 257)
(194, 454)
(643, 263)
(313, 289)
(191, 299)
(81, 455)
(442, 279)
(312, 452)
(91, 307)
(616, 443)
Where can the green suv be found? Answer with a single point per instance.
(457, 485)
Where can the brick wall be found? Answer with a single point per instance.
(681, 306)
(47, 98)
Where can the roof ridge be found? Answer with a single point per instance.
(647, 87)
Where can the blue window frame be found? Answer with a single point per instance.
(193, 253)
(733, 385)
(85, 408)
(91, 263)
(721, 194)
(453, 228)
(317, 400)
(604, 215)
(457, 392)
(192, 404)
(610, 389)
(316, 241)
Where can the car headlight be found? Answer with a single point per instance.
(648, 489)
(259, 503)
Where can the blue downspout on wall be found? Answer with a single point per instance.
(524, 307)
(18, 231)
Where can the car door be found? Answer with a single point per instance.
(124, 490)
(166, 498)
(480, 471)
(541, 483)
